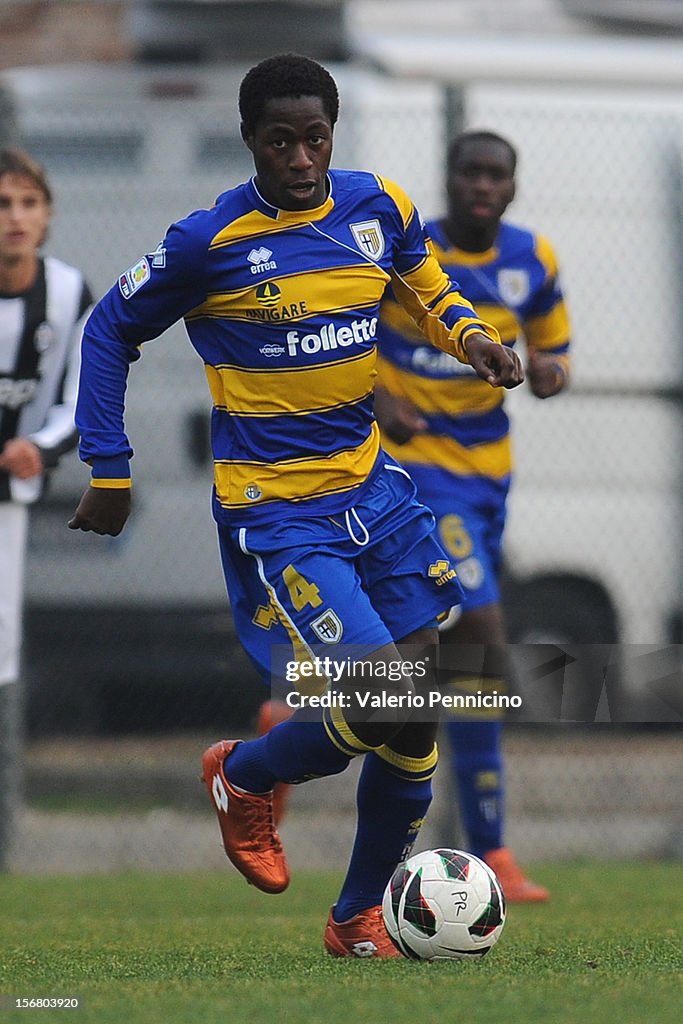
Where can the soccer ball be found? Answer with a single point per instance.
(444, 905)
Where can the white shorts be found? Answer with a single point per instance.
(13, 533)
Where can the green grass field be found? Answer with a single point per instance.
(156, 948)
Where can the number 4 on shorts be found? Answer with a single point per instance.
(301, 592)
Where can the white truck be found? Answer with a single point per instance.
(594, 537)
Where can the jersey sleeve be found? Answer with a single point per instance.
(546, 325)
(435, 303)
(148, 298)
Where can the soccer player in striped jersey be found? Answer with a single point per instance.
(43, 304)
(451, 432)
(320, 534)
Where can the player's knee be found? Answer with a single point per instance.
(378, 696)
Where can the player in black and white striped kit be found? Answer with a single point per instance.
(43, 306)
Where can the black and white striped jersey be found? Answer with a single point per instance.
(40, 334)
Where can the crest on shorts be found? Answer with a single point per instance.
(471, 573)
(369, 237)
(514, 286)
(328, 627)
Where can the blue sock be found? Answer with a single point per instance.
(391, 808)
(478, 770)
(293, 751)
(248, 768)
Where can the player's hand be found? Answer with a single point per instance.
(22, 458)
(499, 366)
(398, 418)
(545, 375)
(103, 510)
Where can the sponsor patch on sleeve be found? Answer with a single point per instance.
(158, 257)
(133, 279)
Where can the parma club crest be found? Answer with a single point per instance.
(369, 238)
(328, 627)
(513, 286)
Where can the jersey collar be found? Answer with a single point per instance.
(462, 256)
(293, 216)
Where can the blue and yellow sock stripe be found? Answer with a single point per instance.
(412, 769)
(341, 733)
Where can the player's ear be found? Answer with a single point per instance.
(510, 194)
(247, 136)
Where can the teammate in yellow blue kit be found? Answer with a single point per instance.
(279, 285)
(452, 434)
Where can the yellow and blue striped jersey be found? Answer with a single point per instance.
(283, 308)
(514, 286)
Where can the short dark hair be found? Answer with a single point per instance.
(463, 138)
(286, 74)
(18, 163)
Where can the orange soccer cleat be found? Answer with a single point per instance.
(246, 823)
(363, 936)
(271, 713)
(517, 888)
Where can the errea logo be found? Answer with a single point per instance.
(441, 572)
(260, 260)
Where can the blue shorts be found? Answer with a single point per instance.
(470, 518)
(366, 577)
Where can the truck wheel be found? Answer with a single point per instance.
(552, 617)
(559, 610)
